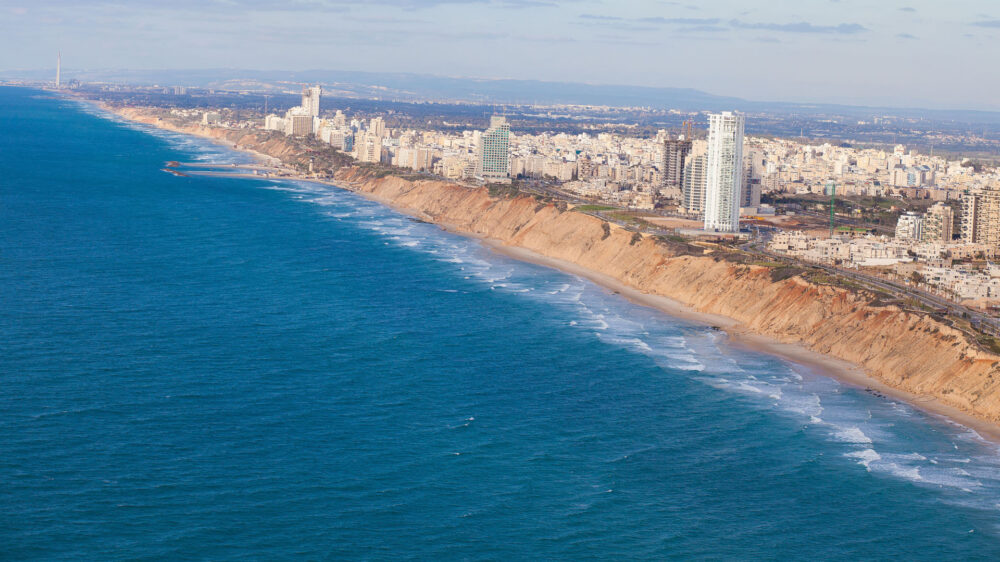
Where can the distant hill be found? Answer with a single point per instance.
(413, 87)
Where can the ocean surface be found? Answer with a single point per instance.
(229, 369)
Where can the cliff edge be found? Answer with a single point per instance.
(912, 351)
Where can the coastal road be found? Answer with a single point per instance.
(930, 300)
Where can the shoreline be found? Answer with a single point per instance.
(739, 337)
(737, 334)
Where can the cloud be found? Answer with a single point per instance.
(908, 9)
(906, 36)
(684, 25)
(703, 29)
(987, 23)
(600, 18)
(236, 6)
(680, 21)
(803, 27)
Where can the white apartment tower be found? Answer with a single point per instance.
(310, 100)
(493, 162)
(693, 178)
(724, 177)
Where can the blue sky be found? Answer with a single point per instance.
(929, 53)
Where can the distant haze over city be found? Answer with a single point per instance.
(905, 53)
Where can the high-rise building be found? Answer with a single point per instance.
(693, 188)
(58, 69)
(493, 158)
(377, 127)
(340, 120)
(981, 217)
(299, 125)
(672, 166)
(724, 178)
(310, 100)
(342, 139)
(368, 148)
(937, 225)
(910, 227)
(754, 165)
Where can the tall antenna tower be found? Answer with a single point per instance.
(58, 69)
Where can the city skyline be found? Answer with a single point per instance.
(900, 54)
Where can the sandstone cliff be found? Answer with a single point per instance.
(907, 350)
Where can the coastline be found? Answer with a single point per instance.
(739, 334)
(739, 337)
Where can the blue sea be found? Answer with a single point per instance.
(230, 369)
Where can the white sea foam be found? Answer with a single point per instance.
(865, 457)
(862, 426)
(852, 435)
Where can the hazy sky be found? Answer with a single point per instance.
(930, 53)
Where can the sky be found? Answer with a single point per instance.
(897, 53)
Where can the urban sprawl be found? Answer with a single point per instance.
(713, 187)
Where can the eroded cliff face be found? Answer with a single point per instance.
(906, 350)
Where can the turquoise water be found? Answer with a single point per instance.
(226, 369)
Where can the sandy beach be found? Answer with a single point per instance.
(739, 337)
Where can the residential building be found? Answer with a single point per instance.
(675, 152)
(981, 217)
(938, 224)
(299, 125)
(910, 227)
(368, 148)
(693, 188)
(493, 156)
(376, 127)
(724, 176)
(275, 123)
(310, 100)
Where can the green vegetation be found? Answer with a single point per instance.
(628, 219)
(501, 190)
(785, 272)
(990, 343)
(593, 208)
(822, 278)
(766, 263)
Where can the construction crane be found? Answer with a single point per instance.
(688, 129)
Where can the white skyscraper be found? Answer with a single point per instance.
(724, 176)
(58, 69)
(310, 100)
